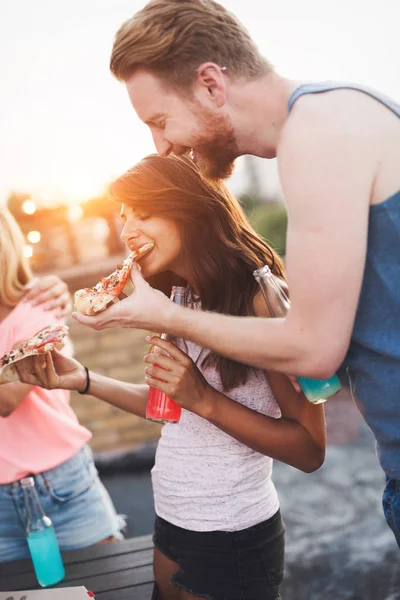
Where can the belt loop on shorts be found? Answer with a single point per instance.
(40, 481)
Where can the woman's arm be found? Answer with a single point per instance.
(283, 439)
(11, 396)
(130, 397)
(296, 438)
(56, 371)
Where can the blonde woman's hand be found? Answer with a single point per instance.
(51, 291)
(52, 370)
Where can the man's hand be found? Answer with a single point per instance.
(52, 370)
(146, 308)
(51, 291)
(177, 376)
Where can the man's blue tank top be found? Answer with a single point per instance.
(372, 365)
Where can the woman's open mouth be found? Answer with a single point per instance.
(142, 251)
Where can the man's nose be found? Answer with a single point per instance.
(163, 147)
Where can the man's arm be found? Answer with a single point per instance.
(327, 172)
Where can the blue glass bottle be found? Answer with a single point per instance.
(315, 390)
(41, 538)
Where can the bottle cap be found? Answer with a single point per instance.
(262, 272)
(27, 482)
(178, 290)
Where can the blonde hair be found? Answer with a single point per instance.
(15, 271)
(172, 38)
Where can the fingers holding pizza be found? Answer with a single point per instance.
(91, 301)
(145, 308)
(47, 339)
(52, 370)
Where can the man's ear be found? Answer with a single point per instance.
(210, 77)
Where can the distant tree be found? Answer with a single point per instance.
(249, 202)
(270, 221)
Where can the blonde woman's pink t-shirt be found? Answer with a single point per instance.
(43, 431)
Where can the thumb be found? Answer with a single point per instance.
(57, 354)
(136, 276)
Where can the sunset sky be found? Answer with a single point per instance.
(66, 125)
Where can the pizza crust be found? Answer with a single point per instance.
(89, 303)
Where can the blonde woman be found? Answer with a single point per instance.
(40, 434)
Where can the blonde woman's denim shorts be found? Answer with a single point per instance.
(74, 498)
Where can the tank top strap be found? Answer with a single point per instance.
(327, 86)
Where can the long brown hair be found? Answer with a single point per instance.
(218, 242)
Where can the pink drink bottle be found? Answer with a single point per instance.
(160, 407)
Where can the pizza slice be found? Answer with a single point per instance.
(47, 339)
(90, 301)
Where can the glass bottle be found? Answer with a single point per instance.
(160, 407)
(41, 538)
(315, 390)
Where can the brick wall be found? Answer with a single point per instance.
(117, 353)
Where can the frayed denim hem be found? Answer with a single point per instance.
(174, 581)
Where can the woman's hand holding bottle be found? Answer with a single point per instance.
(177, 376)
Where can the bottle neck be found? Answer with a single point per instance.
(274, 295)
(179, 295)
(36, 517)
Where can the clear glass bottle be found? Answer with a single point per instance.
(160, 407)
(41, 538)
(315, 390)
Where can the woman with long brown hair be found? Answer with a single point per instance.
(218, 530)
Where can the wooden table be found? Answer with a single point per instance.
(115, 571)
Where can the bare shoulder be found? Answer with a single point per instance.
(329, 118)
(324, 161)
(259, 305)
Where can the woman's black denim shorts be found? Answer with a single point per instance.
(219, 565)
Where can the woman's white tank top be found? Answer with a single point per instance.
(204, 479)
